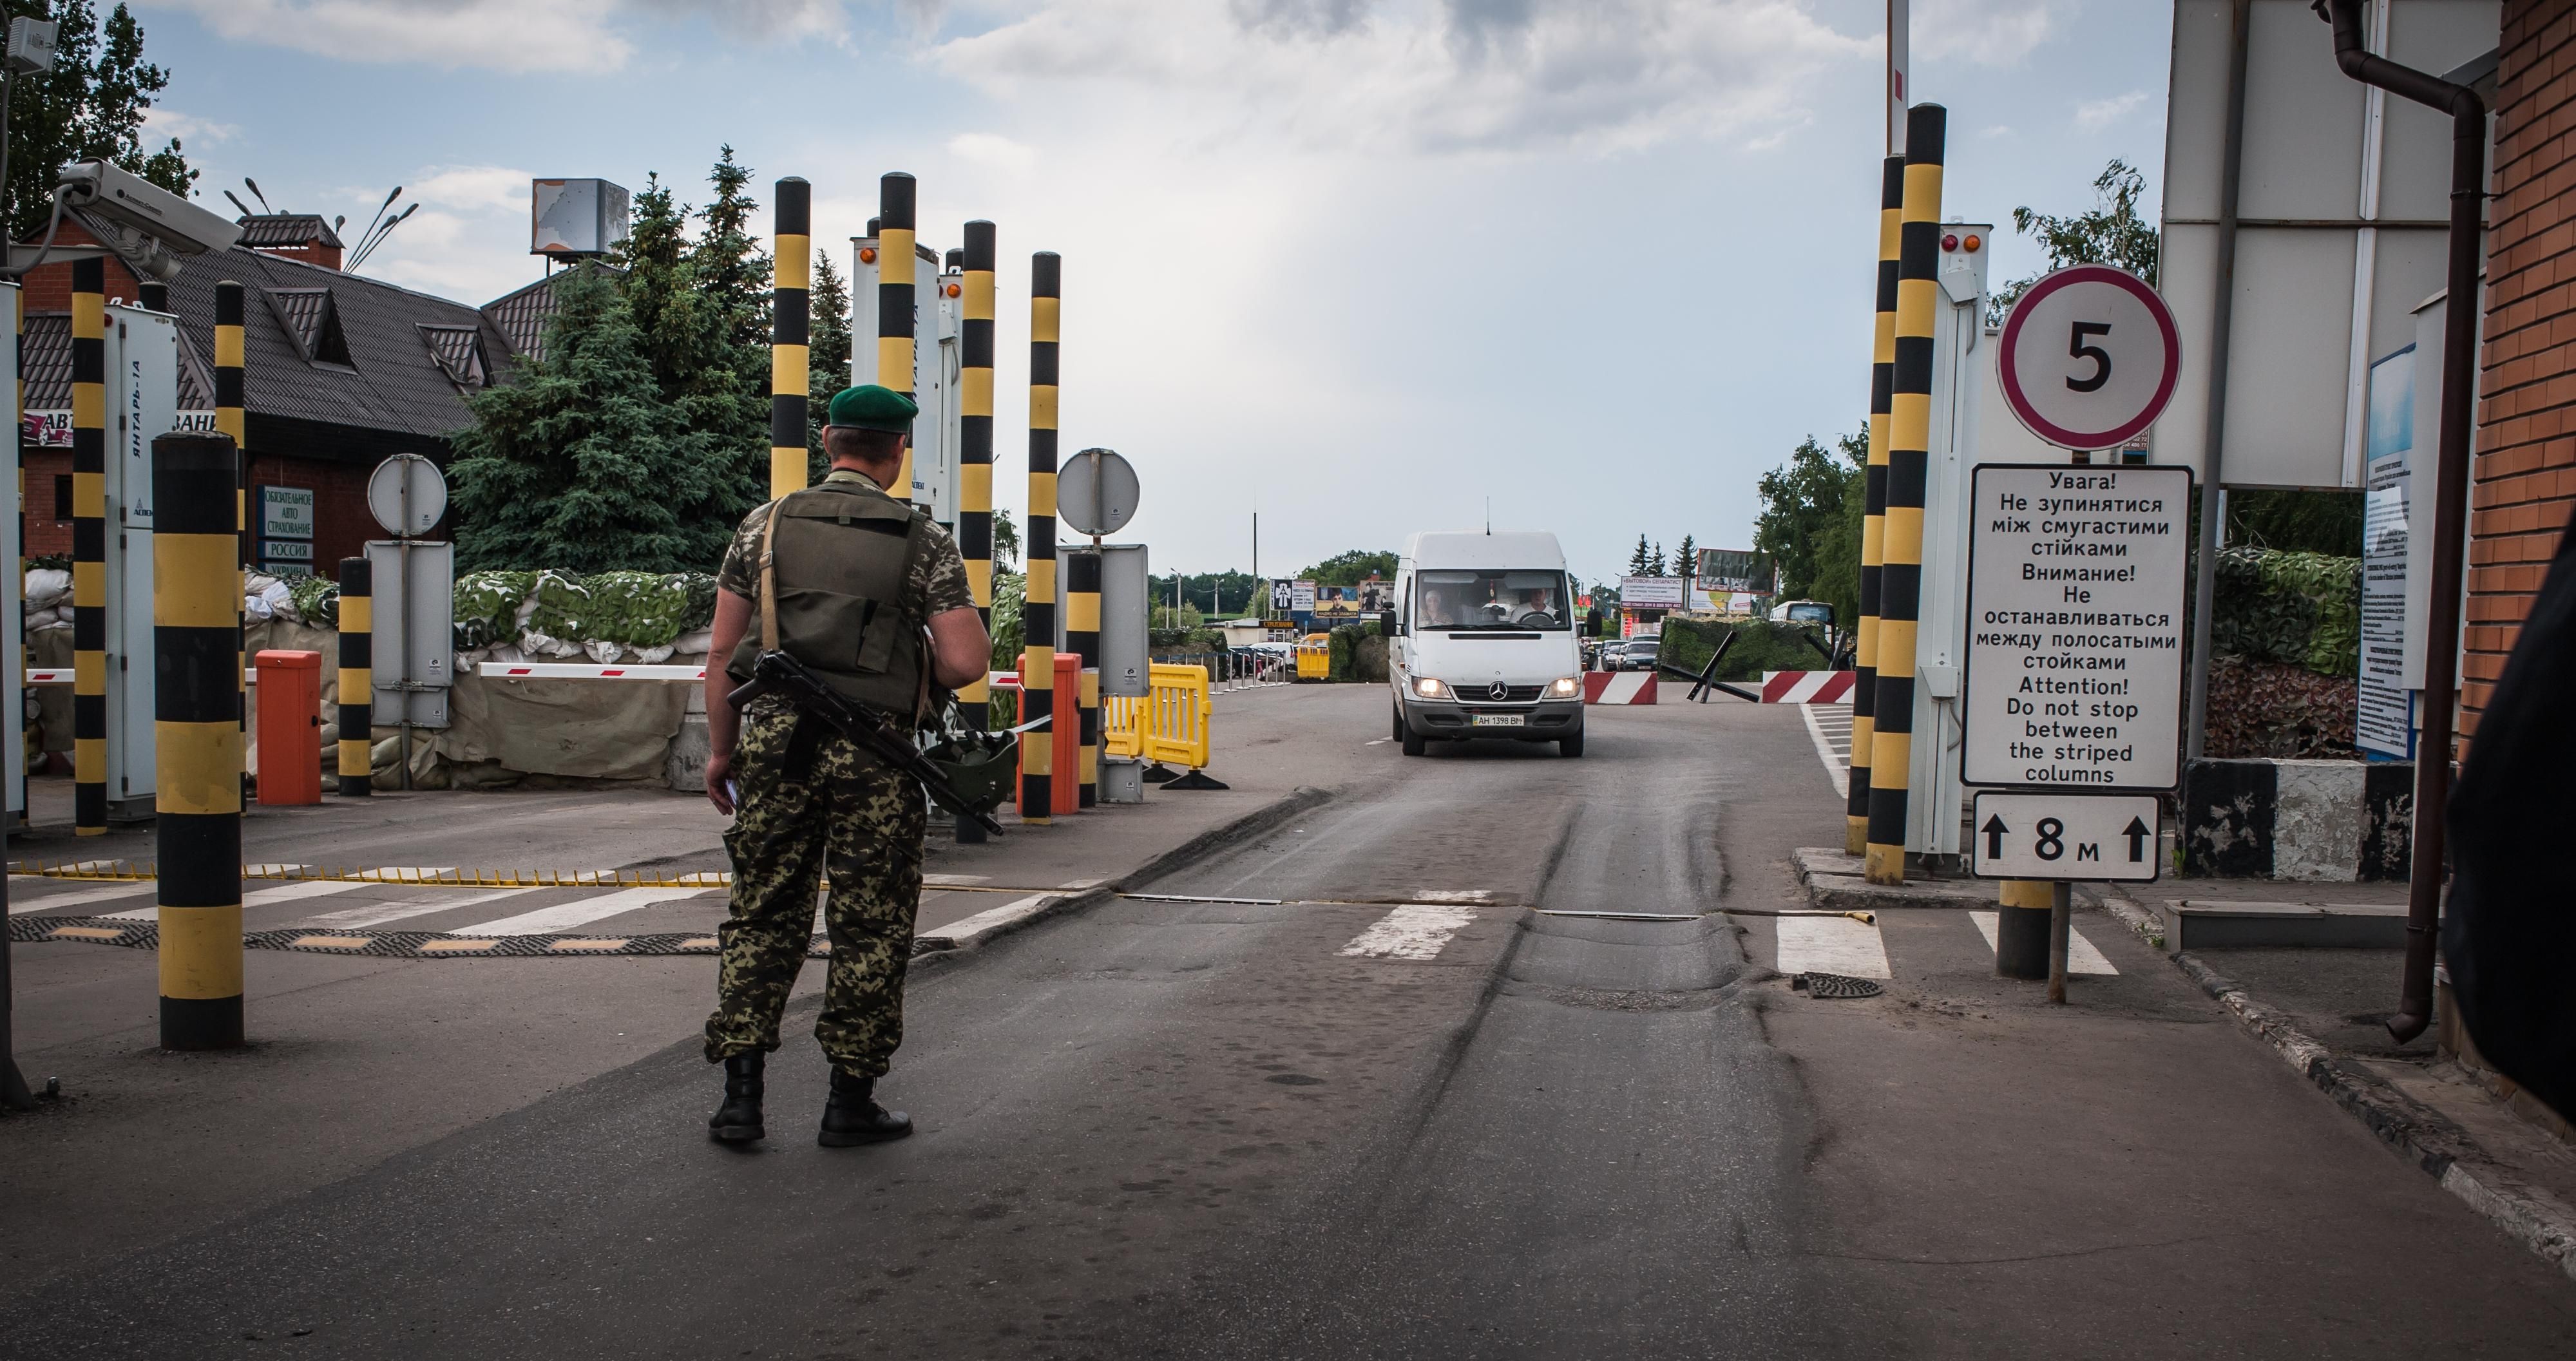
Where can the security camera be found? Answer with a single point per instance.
(128, 201)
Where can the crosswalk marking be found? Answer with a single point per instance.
(380, 913)
(284, 893)
(1833, 745)
(566, 916)
(1832, 945)
(1413, 931)
(104, 892)
(2081, 956)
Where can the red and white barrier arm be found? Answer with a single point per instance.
(1618, 687)
(586, 671)
(1806, 687)
(62, 675)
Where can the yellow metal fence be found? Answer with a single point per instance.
(1168, 724)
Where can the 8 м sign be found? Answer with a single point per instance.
(2065, 836)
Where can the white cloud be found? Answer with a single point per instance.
(468, 239)
(1998, 130)
(165, 122)
(472, 187)
(2093, 115)
(1988, 32)
(993, 149)
(1400, 75)
(498, 35)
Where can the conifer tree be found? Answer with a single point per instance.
(1686, 558)
(1638, 564)
(829, 357)
(579, 462)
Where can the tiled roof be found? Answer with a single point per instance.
(272, 230)
(521, 317)
(459, 351)
(45, 360)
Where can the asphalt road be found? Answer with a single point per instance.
(1336, 1126)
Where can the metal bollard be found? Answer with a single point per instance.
(357, 677)
(89, 548)
(790, 318)
(197, 740)
(1037, 610)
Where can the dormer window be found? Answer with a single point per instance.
(459, 352)
(312, 321)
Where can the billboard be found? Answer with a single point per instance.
(1731, 569)
(1650, 593)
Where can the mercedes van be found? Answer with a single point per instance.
(1484, 645)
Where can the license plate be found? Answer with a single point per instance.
(1497, 720)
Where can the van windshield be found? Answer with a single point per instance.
(1490, 599)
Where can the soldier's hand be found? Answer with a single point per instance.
(719, 776)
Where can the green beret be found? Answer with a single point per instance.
(869, 407)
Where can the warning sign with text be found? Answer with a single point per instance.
(2076, 583)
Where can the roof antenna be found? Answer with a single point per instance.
(1489, 516)
(340, 221)
(380, 212)
(254, 193)
(245, 208)
(368, 247)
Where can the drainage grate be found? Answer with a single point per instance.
(1834, 985)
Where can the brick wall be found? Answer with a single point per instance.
(2526, 460)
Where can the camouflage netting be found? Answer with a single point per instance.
(2286, 655)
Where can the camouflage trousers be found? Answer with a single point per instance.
(817, 805)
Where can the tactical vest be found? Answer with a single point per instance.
(835, 564)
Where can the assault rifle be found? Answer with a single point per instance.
(777, 673)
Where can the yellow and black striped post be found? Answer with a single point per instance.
(89, 547)
(1082, 638)
(1037, 613)
(896, 263)
(230, 423)
(357, 710)
(1909, 434)
(790, 339)
(975, 442)
(1873, 525)
(18, 421)
(197, 739)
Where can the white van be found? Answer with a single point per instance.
(1485, 644)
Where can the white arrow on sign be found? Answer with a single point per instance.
(2065, 836)
(2089, 357)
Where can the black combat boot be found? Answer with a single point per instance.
(852, 1116)
(737, 1121)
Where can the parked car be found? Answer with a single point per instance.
(1639, 654)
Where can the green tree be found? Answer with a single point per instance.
(90, 106)
(1349, 568)
(1686, 558)
(2111, 233)
(578, 464)
(828, 354)
(1006, 538)
(1637, 561)
(2296, 521)
(1810, 522)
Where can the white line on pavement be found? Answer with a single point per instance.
(377, 914)
(2081, 956)
(126, 888)
(1831, 945)
(1413, 931)
(1836, 770)
(566, 916)
(967, 932)
(283, 893)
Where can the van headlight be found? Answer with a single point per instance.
(1565, 687)
(1428, 688)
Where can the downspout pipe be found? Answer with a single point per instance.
(2451, 486)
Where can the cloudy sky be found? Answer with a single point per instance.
(1363, 264)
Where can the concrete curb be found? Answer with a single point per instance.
(2415, 1132)
(1834, 884)
(986, 927)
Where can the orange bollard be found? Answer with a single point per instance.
(1066, 787)
(290, 727)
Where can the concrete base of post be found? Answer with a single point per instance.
(2021, 928)
(1855, 836)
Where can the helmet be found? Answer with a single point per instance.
(984, 768)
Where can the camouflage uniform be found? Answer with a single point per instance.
(812, 802)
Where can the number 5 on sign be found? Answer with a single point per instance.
(2065, 836)
(2089, 357)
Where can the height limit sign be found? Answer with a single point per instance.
(2076, 578)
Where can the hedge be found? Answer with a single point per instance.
(1766, 645)
(2298, 609)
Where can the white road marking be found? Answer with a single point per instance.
(377, 914)
(1832, 945)
(1837, 767)
(122, 889)
(1377, 741)
(943, 880)
(970, 931)
(2081, 956)
(283, 893)
(1413, 931)
(566, 916)
(1453, 895)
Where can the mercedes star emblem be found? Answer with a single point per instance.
(1500, 691)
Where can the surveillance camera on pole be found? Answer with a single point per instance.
(146, 226)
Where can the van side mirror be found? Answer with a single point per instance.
(1387, 624)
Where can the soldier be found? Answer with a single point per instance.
(870, 595)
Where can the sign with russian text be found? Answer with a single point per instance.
(286, 512)
(2076, 582)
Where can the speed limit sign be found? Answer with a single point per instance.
(2089, 357)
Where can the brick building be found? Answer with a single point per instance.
(339, 371)
(2526, 438)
